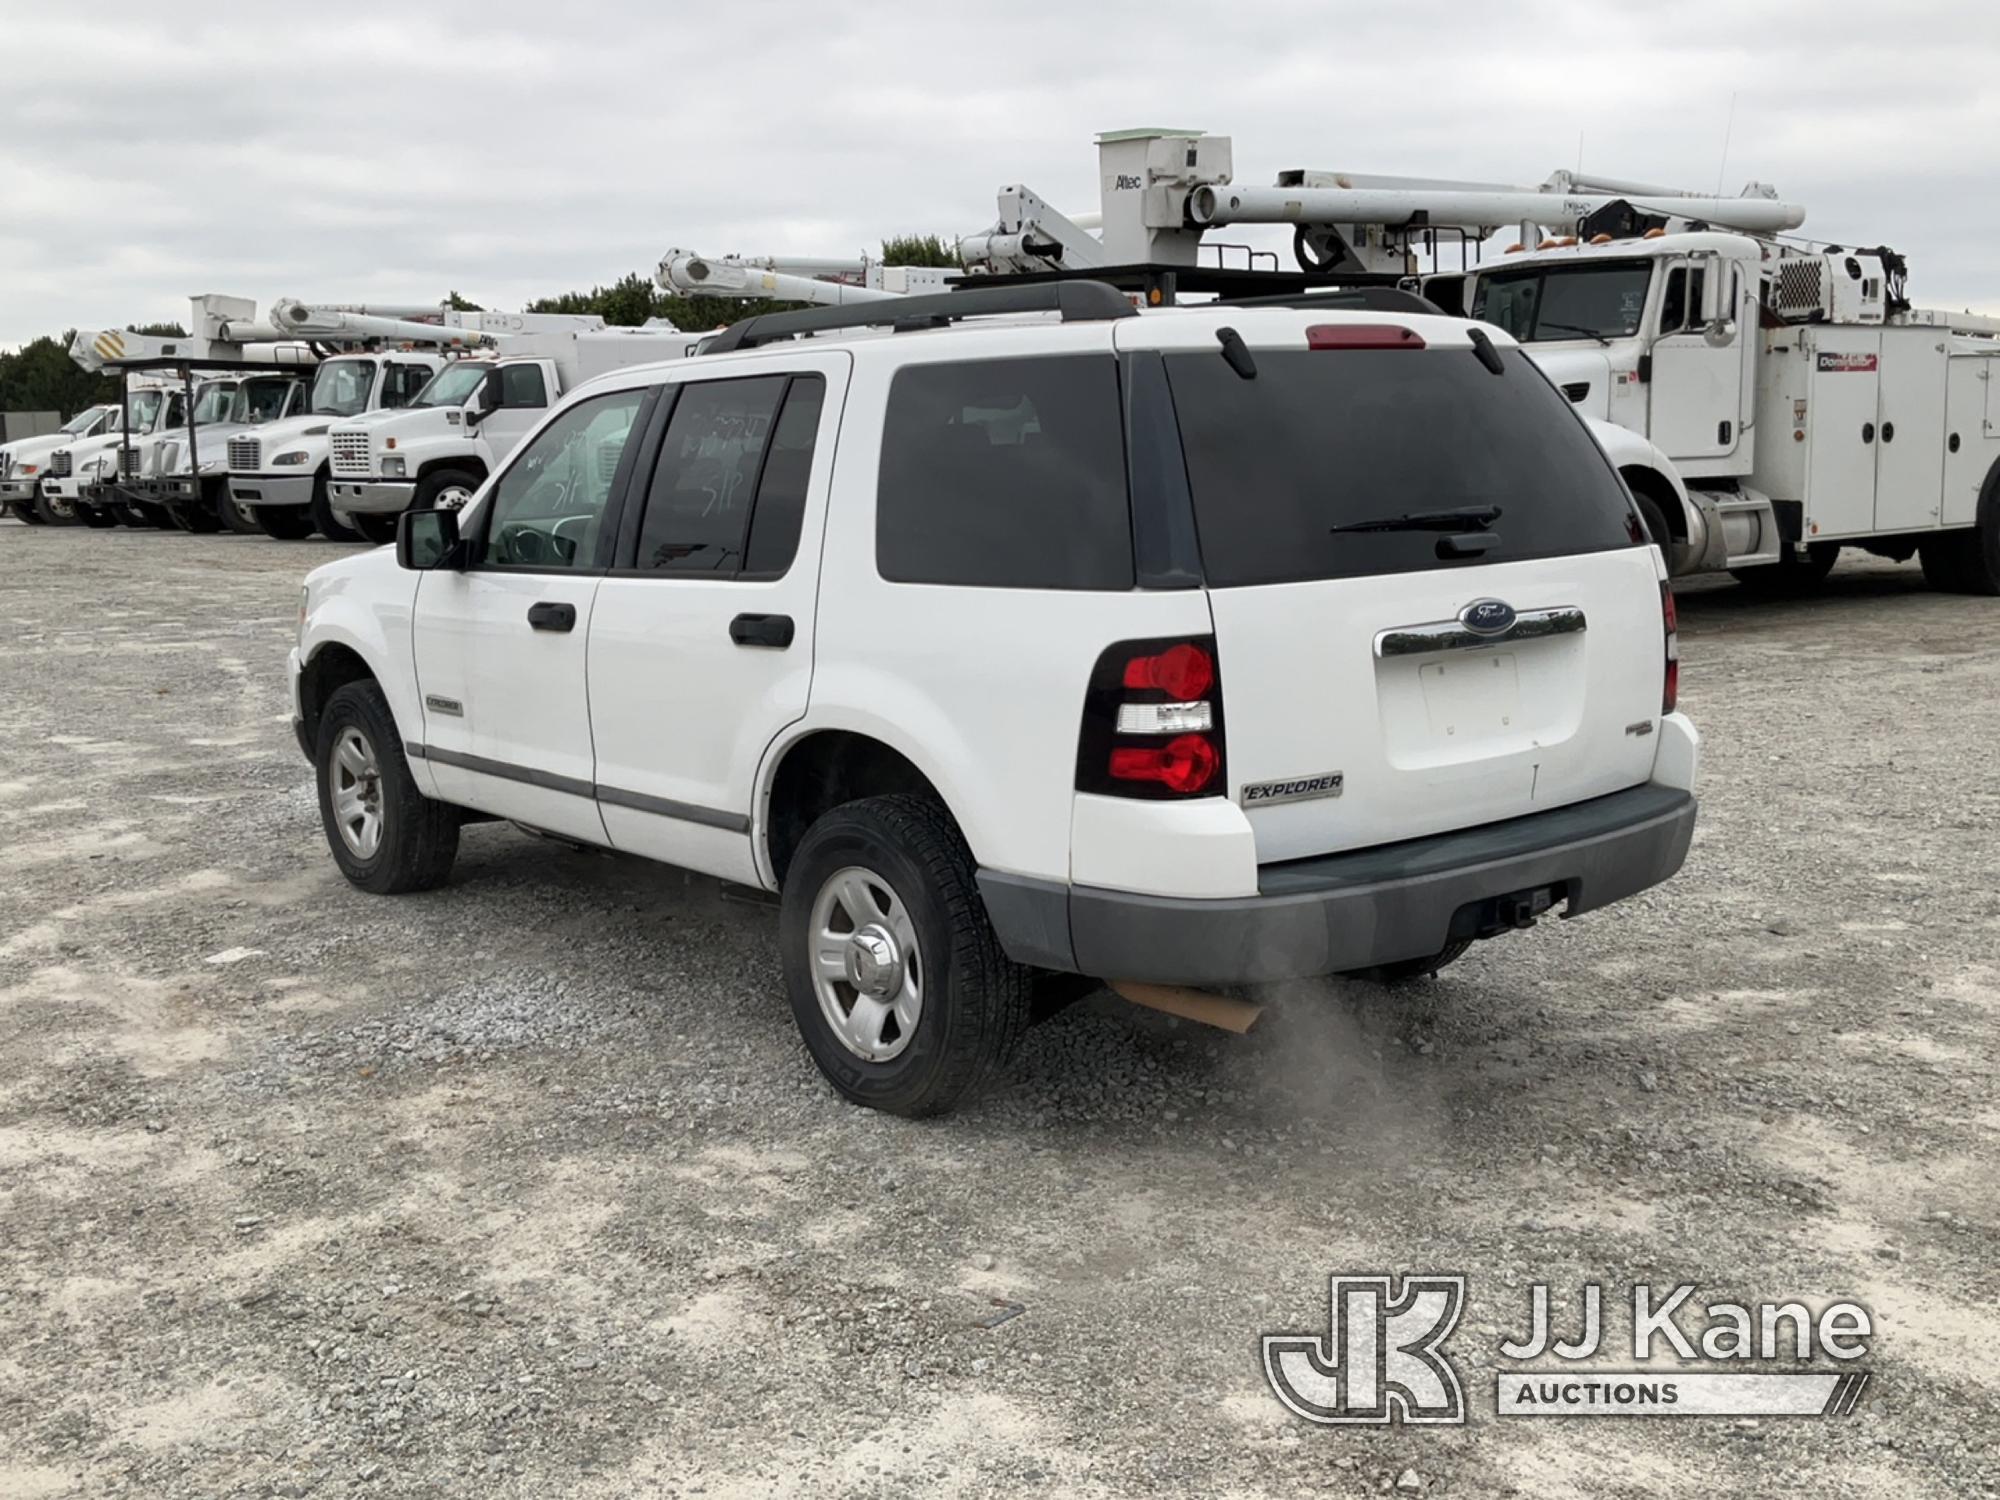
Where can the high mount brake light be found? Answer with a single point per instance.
(1362, 336)
(1670, 692)
(1152, 721)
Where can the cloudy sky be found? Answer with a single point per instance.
(509, 150)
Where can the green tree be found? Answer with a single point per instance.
(920, 250)
(458, 304)
(634, 299)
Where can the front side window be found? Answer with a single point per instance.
(546, 509)
(84, 422)
(260, 401)
(143, 407)
(1539, 305)
(453, 385)
(521, 385)
(176, 410)
(402, 382)
(212, 403)
(1005, 473)
(341, 386)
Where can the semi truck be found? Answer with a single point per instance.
(438, 449)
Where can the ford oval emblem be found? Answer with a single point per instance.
(1487, 617)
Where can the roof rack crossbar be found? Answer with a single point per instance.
(1360, 298)
(1077, 301)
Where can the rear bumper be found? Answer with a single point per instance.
(1354, 910)
(271, 489)
(371, 497)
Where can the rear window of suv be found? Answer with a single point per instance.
(1328, 438)
(1005, 473)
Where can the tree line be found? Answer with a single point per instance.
(40, 376)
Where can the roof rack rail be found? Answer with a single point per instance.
(1363, 298)
(1077, 301)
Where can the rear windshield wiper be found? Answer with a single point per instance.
(1465, 518)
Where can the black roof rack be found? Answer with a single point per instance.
(1347, 299)
(1161, 285)
(1079, 301)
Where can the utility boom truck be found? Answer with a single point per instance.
(1767, 400)
(439, 448)
(24, 462)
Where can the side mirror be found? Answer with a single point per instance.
(427, 539)
(1721, 333)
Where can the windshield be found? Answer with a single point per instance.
(341, 387)
(1295, 473)
(83, 421)
(1538, 304)
(259, 401)
(144, 406)
(451, 385)
(212, 405)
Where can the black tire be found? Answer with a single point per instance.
(1792, 575)
(1404, 970)
(1968, 561)
(97, 517)
(325, 521)
(284, 523)
(241, 519)
(24, 511)
(418, 839)
(1943, 557)
(155, 514)
(379, 530)
(976, 1002)
(1656, 522)
(441, 486)
(192, 515)
(58, 512)
(131, 515)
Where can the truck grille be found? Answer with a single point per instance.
(350, 453)
(128, 461)
(59, 464)
(243, 455)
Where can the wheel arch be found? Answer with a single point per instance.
(821, 767)
(468, 463)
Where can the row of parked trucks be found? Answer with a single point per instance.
(1768, 399)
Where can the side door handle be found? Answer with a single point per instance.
(548, 616)
(774, 631)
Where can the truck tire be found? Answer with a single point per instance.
(896, 980)
(284, 523)
(131, 515)
(444, 489)
(325, 521)
(97, 517)
(1791, 576)
(387, 837)
(1968, 561)
(241, 519)
(24, 511)
(378, 530)
(57, 512)
(192, 515)
(1656, 522)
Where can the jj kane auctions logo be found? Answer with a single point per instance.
(1383, 1357)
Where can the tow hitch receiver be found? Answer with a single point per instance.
(1519, 910)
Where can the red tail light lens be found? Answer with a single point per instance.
(1362, 336)
(1183, 672)
(1185, 764)
(1670, 693)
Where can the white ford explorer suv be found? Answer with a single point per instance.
(1208, 646)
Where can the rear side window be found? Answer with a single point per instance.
(1005, 473)
(1331, 438)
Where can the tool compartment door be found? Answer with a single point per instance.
(1841, 432)
(1909, 442)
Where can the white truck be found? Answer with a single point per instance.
(438, 449)
(24, 461)
(279, 473)
(76, 485)
(187, 471)
(1768, 400)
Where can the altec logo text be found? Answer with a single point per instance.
(1383, 1357)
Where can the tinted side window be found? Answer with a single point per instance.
(521, 385)
(698, 504)
(1005, 474)
(545, 509)
(781, 491)
(402, 382)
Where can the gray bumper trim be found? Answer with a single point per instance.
(371, 497)
(1350, 911)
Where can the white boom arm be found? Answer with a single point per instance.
(805, 280)
(1230, 203)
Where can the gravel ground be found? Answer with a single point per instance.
(527, 1188)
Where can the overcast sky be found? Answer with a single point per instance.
(395, 151)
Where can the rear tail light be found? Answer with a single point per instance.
(1670, 693)
(1152, 721)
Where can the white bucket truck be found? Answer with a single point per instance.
(187, 472)
(25, 461)
(439, 448)
(76, 485)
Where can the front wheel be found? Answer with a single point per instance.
(97, 517)
(325, 521)
(444, 489)
(192, 515)
(380, 530)
(386, 836)
(897, 982)
(24, 511)
(285, 523)
(236, 517)
(57, 511)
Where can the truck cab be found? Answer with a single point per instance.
(280, 472)
(25, 461)
(191, 469)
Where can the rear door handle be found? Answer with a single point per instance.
(774, 631)
(547, 616)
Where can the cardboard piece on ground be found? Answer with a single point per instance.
(1191, 1005)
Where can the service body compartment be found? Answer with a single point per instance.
(1842, 368)
(1909, 429)
(1972, 426)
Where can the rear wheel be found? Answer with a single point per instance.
(1791, 575)
(897, 982)
(287, 523)
(325, 521)
(1968, 561)
(386, 836)
(377, 529)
